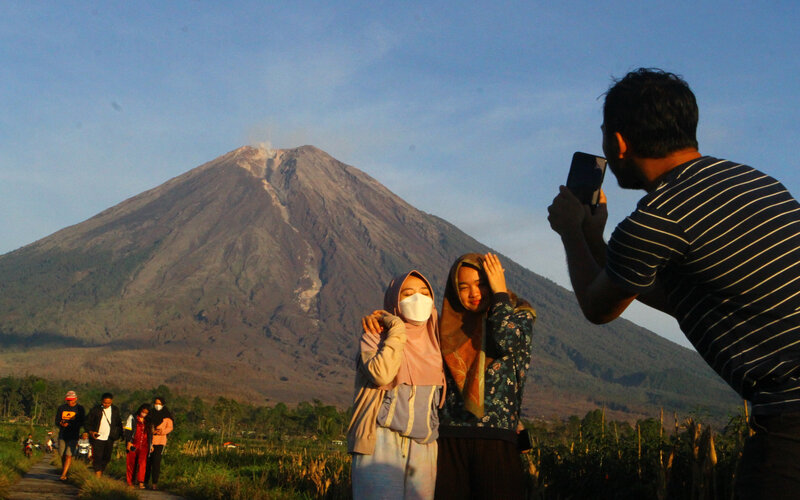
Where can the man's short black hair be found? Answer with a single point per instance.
(106, 395)
(655, 111)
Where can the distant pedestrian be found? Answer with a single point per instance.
(70, 418)
(27, 445)
(138, 443)
(162, 421)
(84, 448)
(104, 424)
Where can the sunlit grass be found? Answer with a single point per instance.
(573, 458)
(93, 487)
(13, 462)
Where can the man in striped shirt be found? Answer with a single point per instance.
(715, 244)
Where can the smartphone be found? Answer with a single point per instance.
(524, 443)
(585, 178)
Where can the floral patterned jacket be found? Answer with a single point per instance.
(509, 334)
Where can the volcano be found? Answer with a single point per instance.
(247, 276)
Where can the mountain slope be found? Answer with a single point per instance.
(247, 275)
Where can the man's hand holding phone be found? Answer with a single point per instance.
(580, 207)
(582, 220)
(567, 214)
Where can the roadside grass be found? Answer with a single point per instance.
(93, 487)
(197, 469)
(13, 462)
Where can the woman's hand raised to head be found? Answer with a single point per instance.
(494, 273)
(372, 323)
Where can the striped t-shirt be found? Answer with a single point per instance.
(724, 241)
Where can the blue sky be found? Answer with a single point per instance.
(469, 112)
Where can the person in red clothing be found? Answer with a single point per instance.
(138, 442)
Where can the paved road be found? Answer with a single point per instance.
(42, 483)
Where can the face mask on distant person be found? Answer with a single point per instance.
(157, 407)
(418, 307)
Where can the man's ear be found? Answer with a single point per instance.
(622, 144)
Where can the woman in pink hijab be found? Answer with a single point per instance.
(399, 383)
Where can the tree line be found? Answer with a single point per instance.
(35, 400)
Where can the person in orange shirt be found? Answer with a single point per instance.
(162, 422)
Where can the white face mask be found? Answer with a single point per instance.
(157, 407)
(418, 307)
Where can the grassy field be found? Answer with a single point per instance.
(13, 463)
(93, 487)
(254, 470)
(296, 452)
(577, 458)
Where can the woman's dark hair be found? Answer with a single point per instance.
(158, 416)
(145, 406)
(655, 111)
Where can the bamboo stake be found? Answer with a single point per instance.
(603, 421)
(639, 449)
(661, 438)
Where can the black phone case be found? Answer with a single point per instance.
(524, 441)
(585, 177)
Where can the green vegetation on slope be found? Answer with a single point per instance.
(43, 292)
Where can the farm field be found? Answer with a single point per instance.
(579, 458)
(231, 450)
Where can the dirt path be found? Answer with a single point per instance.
(42, 483)
(157, 495)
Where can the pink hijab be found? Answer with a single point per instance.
(422, 358)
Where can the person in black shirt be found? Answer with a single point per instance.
(69, 419)
(715, 244)
(104, 424)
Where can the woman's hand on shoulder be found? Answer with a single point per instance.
(494, 273)
(373, 323)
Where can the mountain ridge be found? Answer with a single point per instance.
(258, 264)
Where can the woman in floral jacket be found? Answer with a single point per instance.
(486, 333)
